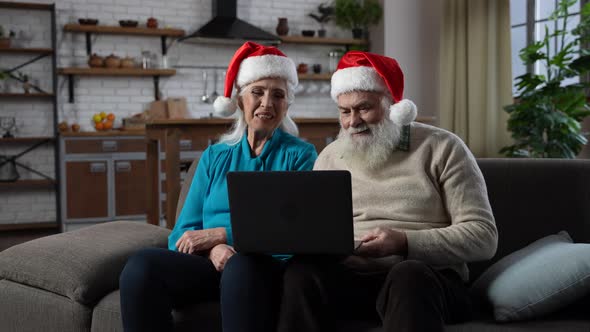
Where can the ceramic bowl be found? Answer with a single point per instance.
(88, 21)
(308, 33)
(128, 23)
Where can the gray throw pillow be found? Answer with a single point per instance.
(546, 275)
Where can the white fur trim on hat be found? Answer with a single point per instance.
(224, 106)
(359, 78)
(403, 112)
(256, 67)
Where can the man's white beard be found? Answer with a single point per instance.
(369, 151)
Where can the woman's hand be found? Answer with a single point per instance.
(192, 242)
(381, 242)
(220, 254)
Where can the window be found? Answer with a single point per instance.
(528, 19)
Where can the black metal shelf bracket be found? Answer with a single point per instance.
(164, 47)
(71, 87)
(88, 43)
(157, 87)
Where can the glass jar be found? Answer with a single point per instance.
(146, 59)
(335, 56)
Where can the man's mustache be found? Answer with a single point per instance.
(361, 128)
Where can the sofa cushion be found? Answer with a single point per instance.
(83, 265)
(25, 308)
(540, 278)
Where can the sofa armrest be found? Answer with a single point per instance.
(83, 265)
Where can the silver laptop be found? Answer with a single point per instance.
(299, 212)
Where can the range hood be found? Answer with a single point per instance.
(226, 28)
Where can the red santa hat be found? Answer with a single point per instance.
(250, 63)
(364, 71)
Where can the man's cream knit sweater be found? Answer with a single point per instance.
(434, 192)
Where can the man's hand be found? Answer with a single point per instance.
(220, 254)
(192, 242)
(381, 242)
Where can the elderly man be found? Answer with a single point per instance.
(421, 212)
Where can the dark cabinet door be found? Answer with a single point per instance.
(130, 187)
(87, 189)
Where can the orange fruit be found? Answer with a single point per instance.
(108, 125)
(111, 117)
(99, 126)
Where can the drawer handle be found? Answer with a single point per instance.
(109, 146)
(123, 166)
(185, 144)
(98, 167)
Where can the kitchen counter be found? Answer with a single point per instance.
(108, 133)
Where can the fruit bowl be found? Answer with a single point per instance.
(128, 23)
(88, 21)
(102, 121)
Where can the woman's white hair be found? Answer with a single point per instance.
(236, 133)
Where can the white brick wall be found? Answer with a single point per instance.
(123, 96)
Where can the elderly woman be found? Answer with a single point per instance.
(193, 268)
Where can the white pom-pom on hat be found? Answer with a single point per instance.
(403, 112)
(224, 106)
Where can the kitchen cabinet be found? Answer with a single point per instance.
(104, 178)
(86, 189)
(130, 187)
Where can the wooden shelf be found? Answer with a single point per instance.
(26, 95)
(320, 40)
(26, 139)
(24, 5)
(117, 30)
(28, 226)
(20, 50)
(115, 72)
(28, 184)
(315, 77)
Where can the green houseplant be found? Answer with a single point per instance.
(544, 120)
(357, 15)
(325, 14)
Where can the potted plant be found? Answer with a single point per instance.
(24, 78)
(544, 120)
(357, 15)
(5, 37)
(325, 14)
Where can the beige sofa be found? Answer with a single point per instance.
(69, 281)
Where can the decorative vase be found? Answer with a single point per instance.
(322, 33)
(4, 42)
(27, 87)
(152, 23)
(302, 68)
(357, 33)
(282, 26)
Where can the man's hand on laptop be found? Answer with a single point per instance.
(381, 242)
(220, 254)
(193, 242)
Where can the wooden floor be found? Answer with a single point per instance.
(11, 238)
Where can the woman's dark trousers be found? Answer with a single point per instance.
(155, 281)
